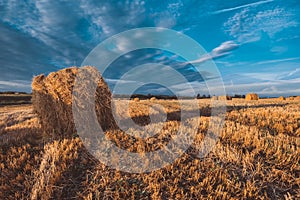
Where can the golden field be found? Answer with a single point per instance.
(257, 156)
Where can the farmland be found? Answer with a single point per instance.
(257, 156)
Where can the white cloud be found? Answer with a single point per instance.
(248, 25)
(110, 18)
(224, 49)
(242, 6)
(70, 30)
(275, 61)
(275, 76)
(293, 72)
(261, 76)
(15, 85)
(114, 81)
(278, 49)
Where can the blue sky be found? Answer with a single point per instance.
(255, 44)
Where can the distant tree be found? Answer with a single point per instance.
(198, 96)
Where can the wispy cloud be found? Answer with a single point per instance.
(276, 61)
(242, 6)
(294, 72)
(262, 76)
(249, 25)
(224, 49)
(15, 85)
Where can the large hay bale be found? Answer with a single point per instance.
(224, 98)
(251, 96)
(52, 101)
(290, 98)
(297, 98)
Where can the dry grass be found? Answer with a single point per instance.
(256, 157)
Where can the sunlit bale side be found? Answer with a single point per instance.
(52, 101)
(252, 96)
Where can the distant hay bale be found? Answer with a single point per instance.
(290, 98)
(214, 98)
(281, 98)
(252, 96)
(52, 101)
(224, 98)
(152, 98)
(136, 99)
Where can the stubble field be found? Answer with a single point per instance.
(257, 156)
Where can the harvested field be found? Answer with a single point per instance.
(256, 157)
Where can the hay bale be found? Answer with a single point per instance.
(281, 98)
(251, 96)
(152, 98)
(136, 99)
(290, 98)
(224, 98)
(52, 101)
(214, 98)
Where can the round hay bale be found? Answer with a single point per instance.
(52, 101)
(281, 98)
(152, 98)
(251, 96)
(214, 98)
(290, 98)
(224, 98)
(136, 99)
